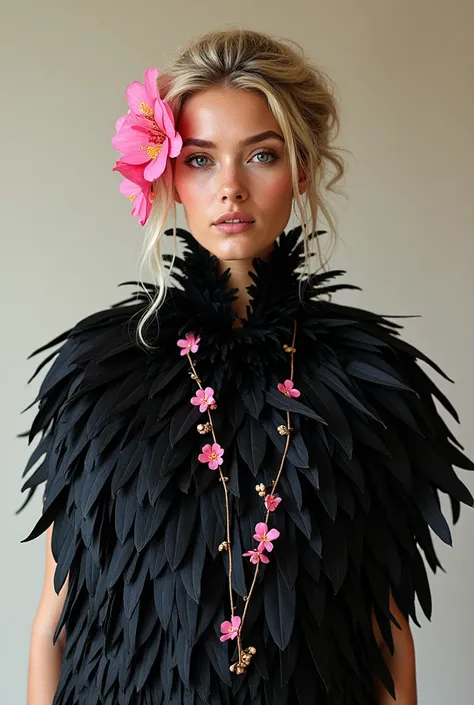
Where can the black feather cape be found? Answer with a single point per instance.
(138, 519)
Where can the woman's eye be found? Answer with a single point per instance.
(194, 157)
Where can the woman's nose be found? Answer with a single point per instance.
(232, 183)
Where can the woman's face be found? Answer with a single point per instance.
(227, 175)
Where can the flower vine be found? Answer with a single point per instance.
(212, 454)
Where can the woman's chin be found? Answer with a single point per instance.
(239, 246)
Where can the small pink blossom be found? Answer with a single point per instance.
(203, 398)
(230, 629)
(287, 388)
(272, 501)
(212, 455)
(257, 556)
(189, 343)
(265, 536)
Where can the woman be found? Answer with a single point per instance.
(239, 472)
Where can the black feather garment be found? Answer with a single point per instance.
(138, 519)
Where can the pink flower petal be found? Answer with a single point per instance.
(261, 528)
(273, 534)
(151, 76)
(156, 167)
(236, 620)
(139, 98)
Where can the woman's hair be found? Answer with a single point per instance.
(299, 95)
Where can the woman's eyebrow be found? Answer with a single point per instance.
(243, 143)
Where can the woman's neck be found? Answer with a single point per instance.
(239, 279)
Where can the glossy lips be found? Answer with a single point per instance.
(234, 227)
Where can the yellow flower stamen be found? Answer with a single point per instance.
(146, 109)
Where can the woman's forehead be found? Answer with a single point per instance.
(226, 114)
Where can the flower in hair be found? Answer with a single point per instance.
(212, 454)
(138, 190)
(189, 343)
(146, 135)
(272, 501)
(288, 388)
(257, 556)
(230, 629)
(265, 536)
(203, 398)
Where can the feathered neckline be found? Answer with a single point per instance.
(280, 292)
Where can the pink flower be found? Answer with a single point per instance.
(203, 398)
(137, 189)
(264, 536)
(189, 344)
(287, 388)
(257, 556)
(230, 629)
(272, 501)
(212, 455)
(146, 135)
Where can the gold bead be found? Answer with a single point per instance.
(223, 479)
(232, 667)
(252, 650)
(239, 670)
(224, 546)
(204, 427)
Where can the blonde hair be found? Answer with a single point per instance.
(299, 95)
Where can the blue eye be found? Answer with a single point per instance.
(192, 157)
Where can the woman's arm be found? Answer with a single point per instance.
(45, 659)
(401, 664)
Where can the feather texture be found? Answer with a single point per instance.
(138, 520)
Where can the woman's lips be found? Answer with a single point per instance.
(234, 227)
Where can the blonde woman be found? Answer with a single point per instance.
(240, 473)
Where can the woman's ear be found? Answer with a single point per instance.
(176, 195)
(302, 183)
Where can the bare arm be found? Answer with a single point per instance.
(45, 659)
(401, 664)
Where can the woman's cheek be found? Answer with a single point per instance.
(276, 188)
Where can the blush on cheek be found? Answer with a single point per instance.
(276, 189)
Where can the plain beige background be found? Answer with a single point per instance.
(404, 72)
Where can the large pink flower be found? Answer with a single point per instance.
(146, 135)
(230, 629)
(265, 536)
(212, 455)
